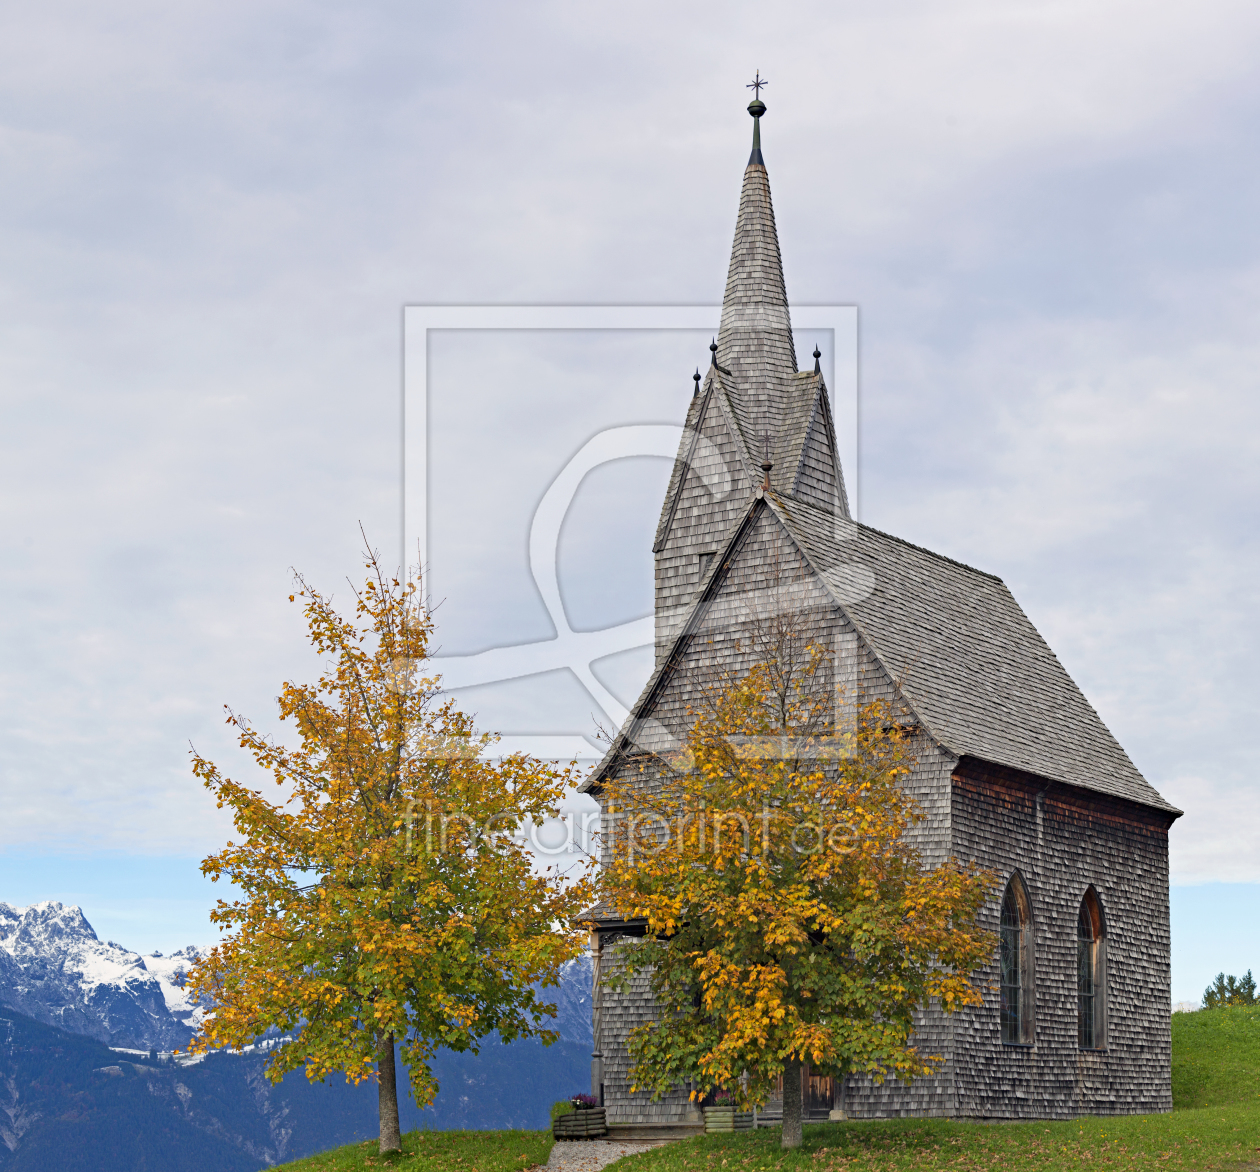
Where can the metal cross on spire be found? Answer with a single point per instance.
(756, 84)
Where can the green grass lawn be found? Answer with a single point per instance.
(1225, 1138)
(1215, 1124)
(439, 1151)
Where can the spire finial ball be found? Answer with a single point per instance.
(756, 107)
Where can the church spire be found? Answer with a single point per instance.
(754, 344)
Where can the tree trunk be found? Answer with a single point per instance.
(387, 1096)
(792, 1103)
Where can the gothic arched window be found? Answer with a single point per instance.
(1091, 1000)
(1015, 953)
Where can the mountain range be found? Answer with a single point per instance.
(88, 1080)
(53, 968)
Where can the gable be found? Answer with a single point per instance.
(818, 479)
(763, 574)
(711, 494)
(760, 576)
(710, 466)
(682, 462)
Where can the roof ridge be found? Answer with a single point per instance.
(801, 503)
(930, 552)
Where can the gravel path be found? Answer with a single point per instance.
(589, 1155)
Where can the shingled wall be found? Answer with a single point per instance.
(621, 1012)
(1062, 840)
(934, 1030)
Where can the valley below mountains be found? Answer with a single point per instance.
(88, 1079)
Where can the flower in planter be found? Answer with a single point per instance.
(584, 1102)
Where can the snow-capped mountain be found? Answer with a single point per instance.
(572, 999)
(55, 969)
(172, 972)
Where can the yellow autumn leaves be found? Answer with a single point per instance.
(815, 933)
(347, 934)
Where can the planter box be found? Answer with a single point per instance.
(718, 1119)
(583, 1123)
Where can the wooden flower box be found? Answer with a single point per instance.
(718, 1119)
(581, 1123)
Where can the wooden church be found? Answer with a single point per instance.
(1015, 770)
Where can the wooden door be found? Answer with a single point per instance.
(817, 1093)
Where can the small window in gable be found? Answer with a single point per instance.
(705, 560)
(1015, 957)
(1091, 999)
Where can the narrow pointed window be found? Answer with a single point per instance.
(1090, 992)
(1015, 956)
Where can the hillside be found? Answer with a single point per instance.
(66, 997)
(1216, 1058)
(56, 970)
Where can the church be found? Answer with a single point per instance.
(1014, 771)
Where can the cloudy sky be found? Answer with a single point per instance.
(212, 217)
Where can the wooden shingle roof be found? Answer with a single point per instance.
(973, 667)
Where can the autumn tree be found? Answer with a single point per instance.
(788, 917)
(387, 893)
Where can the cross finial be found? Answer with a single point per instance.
(757, 108)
